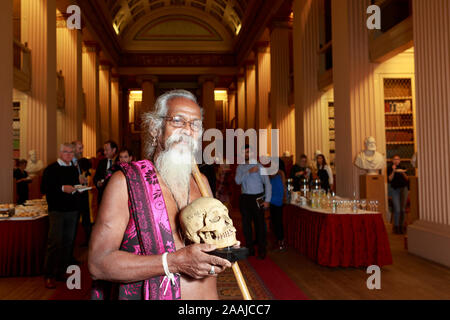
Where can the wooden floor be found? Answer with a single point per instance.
(410, 277)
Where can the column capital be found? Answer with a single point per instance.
(280, 24)
(208, 78)
(105, 65)
(249, 63)
(61, 20)
(91, 46)
(261, 46)
(146, 78)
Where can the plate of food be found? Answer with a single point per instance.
(6, 207)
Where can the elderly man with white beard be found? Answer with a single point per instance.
(137, 250)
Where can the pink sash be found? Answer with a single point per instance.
(148, 233)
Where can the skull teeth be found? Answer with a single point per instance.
(226, 234)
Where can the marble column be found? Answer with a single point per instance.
(250, 94)
(311, 125)
(69, 61)
(105, 100)
(282, 115)
(115, 109)
(241, 103)
(429, 237)
(39, 31)
(356, 116)
(6, 100)
(91, 125)
(208, 102)
(147, 84)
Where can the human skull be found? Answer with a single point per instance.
(206, 220)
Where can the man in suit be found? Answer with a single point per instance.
(105, 167)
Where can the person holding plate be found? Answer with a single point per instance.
(398, 191)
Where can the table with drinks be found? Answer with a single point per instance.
(336, 232)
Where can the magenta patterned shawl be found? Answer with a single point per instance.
(148, 233)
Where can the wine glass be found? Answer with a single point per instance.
(376, 203)
(363, 204)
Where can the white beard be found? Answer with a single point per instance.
(174, 165)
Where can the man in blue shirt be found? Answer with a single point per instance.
(255, 188)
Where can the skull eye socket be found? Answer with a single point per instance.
(214, 219)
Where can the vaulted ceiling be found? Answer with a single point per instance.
(211, 27)
(126, 13)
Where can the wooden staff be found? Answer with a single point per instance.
(236, 270)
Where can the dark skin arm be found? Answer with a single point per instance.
(107, 262)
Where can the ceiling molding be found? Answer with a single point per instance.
(177, 60)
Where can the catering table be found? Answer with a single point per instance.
(22, 246)
(337, 239)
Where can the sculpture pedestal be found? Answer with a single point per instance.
(372, 187)
(35, 188)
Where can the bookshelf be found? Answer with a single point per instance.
(16, 130)
(332, 135)
(399, 120)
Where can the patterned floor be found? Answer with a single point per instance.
(228, 289)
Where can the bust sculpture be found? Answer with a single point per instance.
(34, 165)
(369, 159)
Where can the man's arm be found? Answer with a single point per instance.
(268, 189)
(107, 262)
(241, 174)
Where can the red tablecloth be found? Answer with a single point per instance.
(338, 240)
(22, 247)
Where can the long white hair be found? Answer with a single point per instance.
(153, 121)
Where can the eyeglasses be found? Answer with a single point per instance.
(180, 122)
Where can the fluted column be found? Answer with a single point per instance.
(282, 115)
(262, 85)
(429, 237)
(208, 102)
(69, 61)
(6, 89)
(311, 125)
(356, 114)
(91, 124)
(250, 94)
(115, 109)
(241, 103)
(105, 100)
(39, 31)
